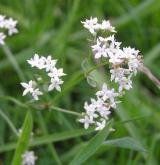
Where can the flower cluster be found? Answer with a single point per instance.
(93, 26)
(124, 63)
(97, 112)
(28, 158)
(49, 65)
(9, 25)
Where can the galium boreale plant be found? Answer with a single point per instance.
(123, 63)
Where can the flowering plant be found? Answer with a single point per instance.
(123, 64)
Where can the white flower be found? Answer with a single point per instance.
(2, 21)
(118, 73)
(2, 37)
(37, 61)
(99, 49)
(10, 24)
(29, 87)
(28, 158)
(86, 121)
(50, 63)
(130, 53)
(107, 26)
(90, 110)
(36, 93)
(106, 93)
(124, 83)
(55, 83)
(115, 59)
(56, 73)
(100, 125)
(92, 25)
(133, 65)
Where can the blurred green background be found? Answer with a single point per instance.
(53, 27)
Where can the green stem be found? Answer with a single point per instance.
(5, 117)
(27, 106)
(65, 111)
(13, 61)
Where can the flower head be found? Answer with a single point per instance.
(54, 74)
(31, 88)
(92, 25)
(28, 158)
(9, 25)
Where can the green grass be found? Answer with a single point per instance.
(53, 27)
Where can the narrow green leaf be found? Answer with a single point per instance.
(92, 146)
(49, 139)
(24, 139)
(8, 121)
(126, 142)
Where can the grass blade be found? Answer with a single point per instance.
(56, 137)
(23, 139)
(6, 118)
(93, 145)
(126, 142)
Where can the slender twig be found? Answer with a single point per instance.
(65, 111)
(6, 118)
(14, 63)
(149, 74)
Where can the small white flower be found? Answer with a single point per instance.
(2, 21)
(36, 93)
(130, 53)
(125, 83)
(37, 61)
(90, 110)
(107, 26)
(100, 125)
(10, 24)
(2, 37)
(50, 63)
(28, 158)
(115, 59)
(99, 49)
(56, 73)
(106, 93)
(92, 25)
(29, 87)
(55, 83)
(118, 73)
(86, 121)
(133, 65)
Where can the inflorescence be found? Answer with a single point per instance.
(49, 65)
(9, 25)
(123, 64)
